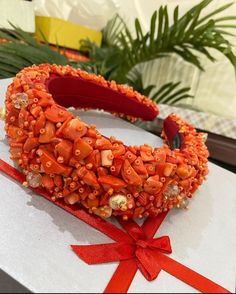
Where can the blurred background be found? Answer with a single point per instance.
(180, 53)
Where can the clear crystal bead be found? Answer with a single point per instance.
(118, 201)
(20, 100)
(34, 179)
(184, 203)
(171, 191)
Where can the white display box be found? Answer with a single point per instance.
(35, 234)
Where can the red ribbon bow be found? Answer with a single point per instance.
(140, 249)
(135, 250)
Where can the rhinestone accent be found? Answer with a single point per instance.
(20, 100)
(34, 179)
(184, 203)
(118, 202)
(171, 191)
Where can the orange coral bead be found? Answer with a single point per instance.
(160, 167)
(118, 150)
(81, 149)
(103, 144)
(40, 124)
(150, 167)
(16, 134)
(30, 144)
(159, 155)
(65, 150)
(129, 174)
(94, 158)
(168, 169)
(48, 134)
(183, 171)
(72, 198)
(139, 167)
(84, 192)
(35, 111)
(23, 116)
(152, 185)
(130, 156)
(138, 212)
(50, 164)
(56, 113)
(45, 99)
(16, 151)
(109, 181)
(117, 164)
(58, 181)
(92, 202)
(74, 129)
(91, 132)
(185, 184)
(146, 153)
(11, 112)
(47, 182)
(143, 198)
(90, 179)
(102, 171)
(89, 140)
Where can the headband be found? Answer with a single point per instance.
(74, 161)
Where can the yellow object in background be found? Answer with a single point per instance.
(64, 33)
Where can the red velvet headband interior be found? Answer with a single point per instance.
(80, 93)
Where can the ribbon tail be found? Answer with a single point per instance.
(122, 277)
(103, 253)
(147, 263)
(188, 276)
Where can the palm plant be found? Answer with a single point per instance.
(121, 54)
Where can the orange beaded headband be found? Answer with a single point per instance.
(72, 160)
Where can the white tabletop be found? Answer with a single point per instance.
(36, 235)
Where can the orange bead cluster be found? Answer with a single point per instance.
(73, 161)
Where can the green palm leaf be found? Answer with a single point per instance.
(185, 36)
(169, 93)
(23, 50)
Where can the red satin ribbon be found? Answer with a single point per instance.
(135, 249)
(140, 250)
